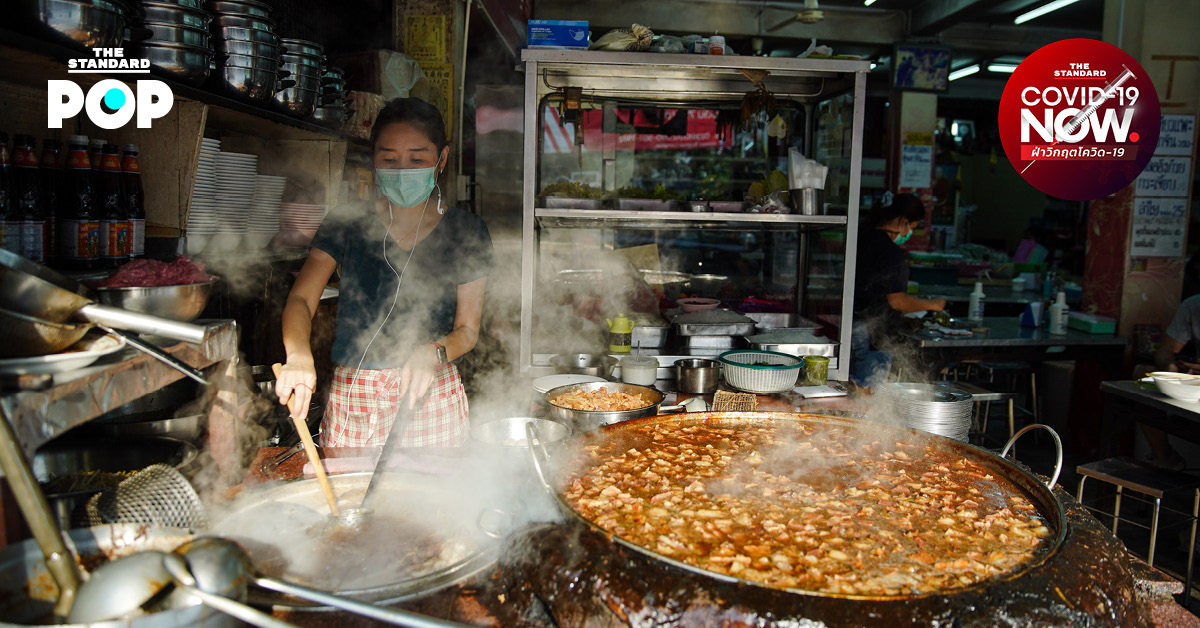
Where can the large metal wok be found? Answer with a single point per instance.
(555, 470)
(588, 420)
(32, 290)
(283, 525)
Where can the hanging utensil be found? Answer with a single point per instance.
(177, 568)
(154, 351)
(59, 561)
(34, 290)
(310, 448)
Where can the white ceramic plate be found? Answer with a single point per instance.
(544, 384)
(78, 355)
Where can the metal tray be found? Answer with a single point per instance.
(827, 349)
(715, 329)
(711, 342)
(569, 202)
(728, 207)
(649, 337)
(649, 205)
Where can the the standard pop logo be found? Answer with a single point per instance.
(65, 99)
(1079, 119)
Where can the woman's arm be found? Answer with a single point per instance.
(904, 303)
(299, 374)
(418, 371)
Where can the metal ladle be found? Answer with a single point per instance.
(128, 586)
(220, 564)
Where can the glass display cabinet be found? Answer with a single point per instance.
(654, 176)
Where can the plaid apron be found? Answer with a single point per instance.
(361, 415)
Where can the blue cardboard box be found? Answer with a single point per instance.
(557, 34)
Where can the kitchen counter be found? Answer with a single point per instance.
(992, 294)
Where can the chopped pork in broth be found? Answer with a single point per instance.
(808, 507)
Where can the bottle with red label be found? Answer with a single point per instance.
(114, 215)
(50, 171)
(131, 175)
(10, 225)
(79, 224)
(94, 148)
(27, 197)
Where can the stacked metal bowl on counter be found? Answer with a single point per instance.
(248, 47)
(304, 61)
(935, 408)
(179, 44)
(331, 104)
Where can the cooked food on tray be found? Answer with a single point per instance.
(144, 273)
(601, 399)
(573, 189)
(800, 506)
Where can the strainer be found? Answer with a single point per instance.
(158, 495)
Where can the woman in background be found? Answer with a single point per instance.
(411, 296)
(881, 287)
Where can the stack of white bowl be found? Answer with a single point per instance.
(202, 214)
(298, 222)
(236, 174)
(264, 216)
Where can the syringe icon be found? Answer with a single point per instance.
(1076, 120)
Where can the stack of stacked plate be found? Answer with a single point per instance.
(298, 222)
(236, 174)
(935, 408)
(263, 223)
(202, 213)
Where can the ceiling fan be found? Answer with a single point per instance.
(810, 14)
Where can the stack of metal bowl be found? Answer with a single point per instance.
(935, 408)
(179, 45)
(248, 49)
(331, 108)
(305, 63)
(82, 23)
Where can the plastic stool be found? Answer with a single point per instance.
(1156, 483)
(1014, 370)
(983, 395)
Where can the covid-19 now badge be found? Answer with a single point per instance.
(1079, 119)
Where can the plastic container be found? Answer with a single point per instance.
(816, 370)
(763, 372)
(975, 305)
(639, 369)
(1058, 315)
(716, 45)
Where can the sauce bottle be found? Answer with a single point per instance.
(114, 215)
(10, 225)
(27, 199)
(79, 227)
(131, 176)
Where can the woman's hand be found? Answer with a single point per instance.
(298, 377)
(417, 374)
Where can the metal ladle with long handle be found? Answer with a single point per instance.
(220, 564)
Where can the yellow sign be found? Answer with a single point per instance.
(425, 37)
(441, 76)
(919, 139)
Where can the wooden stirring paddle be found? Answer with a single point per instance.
(310, 448)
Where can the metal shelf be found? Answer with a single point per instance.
(78, 396)
(632, 219)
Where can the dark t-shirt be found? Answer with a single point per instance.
(458, 251)
(881, 268)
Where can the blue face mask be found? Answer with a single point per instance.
(406, 187)
(904, 238)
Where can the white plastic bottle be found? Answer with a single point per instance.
(975, 306)
(1058, 315)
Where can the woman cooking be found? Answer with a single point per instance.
(411, 296)
(881, 287)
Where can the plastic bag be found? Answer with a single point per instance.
(668, 44)
(397, 75)
(636, 38)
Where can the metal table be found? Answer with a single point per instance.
(1007, 340)
(1128, 402)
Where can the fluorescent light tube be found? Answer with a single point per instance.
(1002, 67)
(1042, 10)
(964, 71)
(867, 3)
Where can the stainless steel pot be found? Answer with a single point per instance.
(184, 63)
(310, 64)
(163, 33)
(176, 14)
(595, 364)
(697, 375)
(245, 47)
(304, 76)
(242, 33)
(78, 23)
(296, 102)
(589, 420)
(248, 84)
(245, 7)
(182, 302)
(333, 117)
(254, 62)
(244, 21)
(302, 46)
